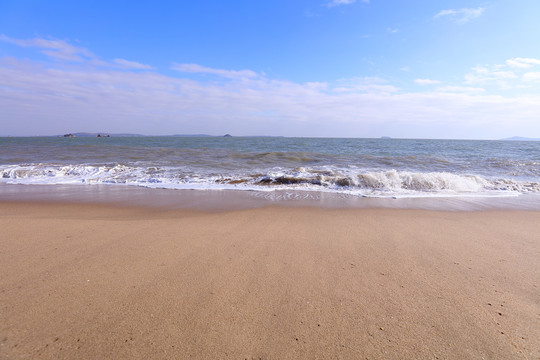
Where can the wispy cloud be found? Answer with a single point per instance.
(460, 89)
(523, 63)
(513, 74)
(490, 75)
(426, 82)
(532, 76)
(364, 85)
(58, 49)
(340, 2)
(461, 15)
(64, 51)
(55, 97)
(344, 2)
(126, 64)
(198, 69)
(66, 99)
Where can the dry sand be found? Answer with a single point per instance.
(98, 282)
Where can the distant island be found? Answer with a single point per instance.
(106, 135)
(89, 134)
(86, 134)
(520, 138)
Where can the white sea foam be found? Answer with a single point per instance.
(350, 180)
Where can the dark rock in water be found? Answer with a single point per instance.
(103, 135)
(69, 135)
(344, 182)
(227, 135)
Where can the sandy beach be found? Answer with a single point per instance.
(87, 281)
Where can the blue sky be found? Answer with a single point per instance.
(343, 68)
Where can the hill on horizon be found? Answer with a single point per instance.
(520, 138)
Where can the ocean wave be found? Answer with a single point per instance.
(353, 181)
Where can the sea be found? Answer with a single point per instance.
(272, 167)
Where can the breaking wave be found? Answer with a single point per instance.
(352, 181)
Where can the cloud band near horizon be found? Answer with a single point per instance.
(90, 94)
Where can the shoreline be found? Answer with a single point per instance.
(223, 200)
(100, 281)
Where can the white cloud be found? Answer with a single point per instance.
(341, 2)
(426, 82)
(523, 63)
(58, 49)
(514, 76)
(55, 98)
(364, 85)
(461, 15)
(483, 74)
(392, 30)
(62, 50)
(460, 89)
(198, 69)
(344, 2)
(508, 76)
(532, 76)
(126, 64)
(59, 100)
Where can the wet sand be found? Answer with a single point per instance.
(87, 281)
